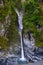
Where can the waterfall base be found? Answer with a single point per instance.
(22, 60)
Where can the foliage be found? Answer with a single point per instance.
(33, 17)
(3, 42)
(12, 29)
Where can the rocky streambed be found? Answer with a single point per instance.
(12, 59)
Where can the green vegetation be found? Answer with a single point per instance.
(3, 42)
(33, 17)
(32, 20)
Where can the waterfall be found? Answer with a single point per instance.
(20, 17)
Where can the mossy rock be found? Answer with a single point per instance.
(3, 43)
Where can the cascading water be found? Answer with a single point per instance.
(11, 59)
(20, 17)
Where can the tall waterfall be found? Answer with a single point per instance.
(20, 17)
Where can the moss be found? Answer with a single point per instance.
(34, 16)
(3, 42)
(12, 30)
(39, 44)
